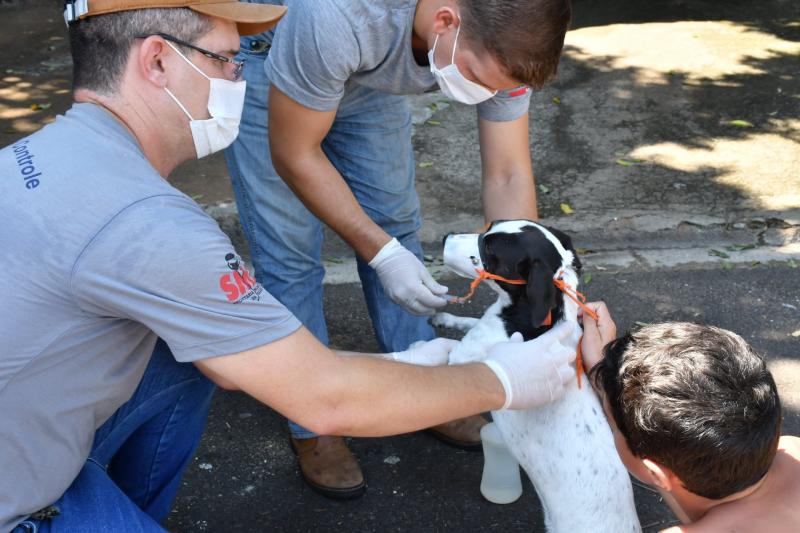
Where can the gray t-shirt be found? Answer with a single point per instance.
(321, 46)
(100, 256)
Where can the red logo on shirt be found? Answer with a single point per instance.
(238, 285)
(518, 92)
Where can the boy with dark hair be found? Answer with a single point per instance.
(695, 412)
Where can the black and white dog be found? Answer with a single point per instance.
(566, 448)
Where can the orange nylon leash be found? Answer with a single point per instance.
(482, 276)
(576, 296)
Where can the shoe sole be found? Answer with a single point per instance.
(336, 494)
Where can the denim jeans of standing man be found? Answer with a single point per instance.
(370, 145)
(134, 470)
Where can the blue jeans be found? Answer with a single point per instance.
(139, 454)
(370, 145)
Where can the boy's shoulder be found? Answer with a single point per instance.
(772, 507)
(790, 445)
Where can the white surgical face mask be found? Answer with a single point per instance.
(453, 84)
(225, 104)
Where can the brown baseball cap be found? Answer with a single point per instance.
(249, 18)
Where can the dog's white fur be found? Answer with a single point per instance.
(566, 448)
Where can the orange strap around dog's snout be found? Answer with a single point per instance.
(574, 294)
(483, 275)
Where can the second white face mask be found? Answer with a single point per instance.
(452, 83)
(225, 105)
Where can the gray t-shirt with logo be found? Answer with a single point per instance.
(321, 46)
(100, 257)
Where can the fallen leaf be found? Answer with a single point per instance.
(425, 164)
(717, 253)
(434, 122)
(38, 106)
(796, 333)
(556, 100)
(584, 251)
(432, 106)
(641, 324)
(335, 260)
(755, 264)
(587, 279)
(792, 263)
(567, 210)
(727, 265)
(630, 162)
(544, 188)
(739, 247)
(741, 123)
(197, 197)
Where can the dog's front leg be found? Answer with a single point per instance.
(447, 320)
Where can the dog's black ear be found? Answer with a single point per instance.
(540, 291)
(566, 242)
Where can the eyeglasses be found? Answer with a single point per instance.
(238, 66)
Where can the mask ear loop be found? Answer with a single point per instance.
(174, 99)
(187, 60)
(455, 45)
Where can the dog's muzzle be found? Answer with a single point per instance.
(462, 254)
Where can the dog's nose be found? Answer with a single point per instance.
(444, 239)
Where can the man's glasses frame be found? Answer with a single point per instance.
(238, 66)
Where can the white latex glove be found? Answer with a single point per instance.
(406, 280)
(435, 352)
(536, 372)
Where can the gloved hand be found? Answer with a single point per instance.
(435, 352)
(406, 280)
(536, 372)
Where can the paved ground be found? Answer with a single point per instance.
(672, 135)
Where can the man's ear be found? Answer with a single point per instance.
(660, 476)
(444, 18)
(566, 242)
(540, 291)
(149, 60)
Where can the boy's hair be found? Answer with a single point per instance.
(525, 36)
(101, 44)
(695, 399)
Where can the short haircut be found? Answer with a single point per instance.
(101, 44)
(695, 399)
(525, 36)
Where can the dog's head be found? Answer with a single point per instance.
(519, 249)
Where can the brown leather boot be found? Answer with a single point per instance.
(328, 467)
(464, 433)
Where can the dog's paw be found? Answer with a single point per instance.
(444, 320)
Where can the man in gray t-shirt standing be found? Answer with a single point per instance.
(326, 138)
(107, 348)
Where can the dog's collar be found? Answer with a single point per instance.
(558, 281)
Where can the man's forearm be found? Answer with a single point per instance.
(355, 395)
(325, 193)
(510, 198)
(509, 191)
(405, 397)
